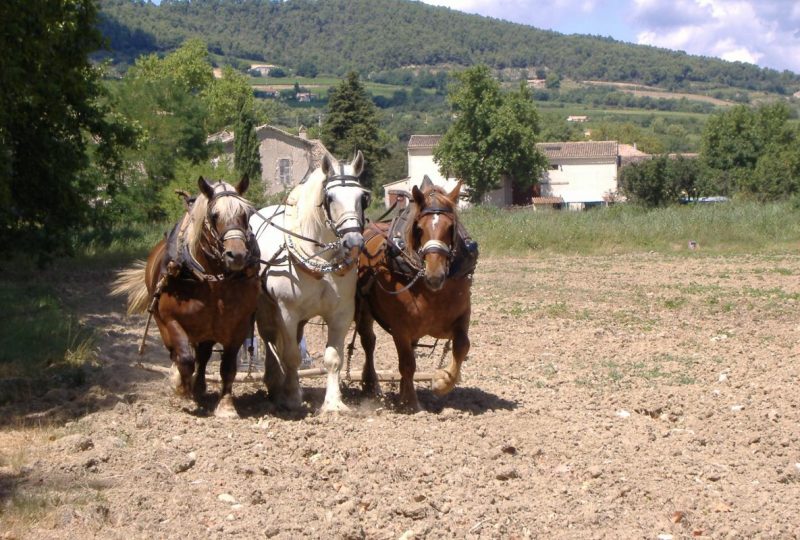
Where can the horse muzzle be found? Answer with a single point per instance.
(353, 241)
(435, 281)
(234, 253)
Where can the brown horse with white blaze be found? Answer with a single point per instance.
(413, 280)
(201, 285)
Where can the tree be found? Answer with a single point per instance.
(647, 183)
(225, 97)
(53, 108)
(663, 180)
(165, 98)
(752, 150)
(246, 157)
(777, 173)
(307, 69)
(352, 124)
(188, 66)
(493, 137)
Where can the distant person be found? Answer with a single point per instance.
(306, 360)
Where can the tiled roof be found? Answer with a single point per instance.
(424, 141)
(548, 200)
(589, 149)
(627, 150)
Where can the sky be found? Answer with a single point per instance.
(761, 32)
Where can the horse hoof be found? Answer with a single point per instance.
(290, 403)
(443, 383)
(334, 407)
(372, 391)
(225, 409)
(409, 406)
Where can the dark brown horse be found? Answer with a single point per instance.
(414, 279)
(201, 285)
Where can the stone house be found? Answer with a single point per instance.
(286, 159)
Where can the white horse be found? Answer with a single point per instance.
(310, 249)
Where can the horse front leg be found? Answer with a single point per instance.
(203, 353)
(227, 371)
(182, 355)
(364, 326)
(334, 352)
(408, 366)
(444, 380)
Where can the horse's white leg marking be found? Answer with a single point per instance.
(334, 354)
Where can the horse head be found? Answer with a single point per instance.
(225, 214)
(345, 200)
(434, 231)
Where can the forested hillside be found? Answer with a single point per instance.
(338, 35)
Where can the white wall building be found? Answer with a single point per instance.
(420, 163)
(581, 174)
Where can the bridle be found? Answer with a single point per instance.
(437, 246)
(344, 180)
(216, 240)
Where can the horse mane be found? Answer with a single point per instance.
(227, 207)
(433, 196)
(308, 196)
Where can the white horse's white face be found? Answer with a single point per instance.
(346, 200)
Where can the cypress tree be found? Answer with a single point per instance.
(246, 157)
(352, 124)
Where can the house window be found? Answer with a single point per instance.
(285, 171)
(554, 166)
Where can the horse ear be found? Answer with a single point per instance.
(453, 195)
(243, 184)
(327, 164)
(418, 196)
(427, 183)
(187, 202)
(358, 164)
(205, 188)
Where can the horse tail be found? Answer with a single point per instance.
(131, 283)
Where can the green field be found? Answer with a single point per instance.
(320, 85)
(735, 227)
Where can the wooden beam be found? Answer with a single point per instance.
(256, 376)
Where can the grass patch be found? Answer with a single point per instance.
(41, 344)
(732, 228)
(115, 247)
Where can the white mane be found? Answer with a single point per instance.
(310, 213)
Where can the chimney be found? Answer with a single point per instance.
(303, 134)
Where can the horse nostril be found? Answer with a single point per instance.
(353, 240)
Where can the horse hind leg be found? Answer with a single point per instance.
(227, 371)
(369, 378)
(444, 380)
(280, 351)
